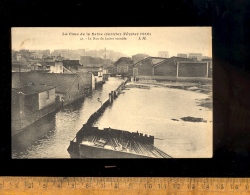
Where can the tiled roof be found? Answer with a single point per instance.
(62, 82)
(33, 89)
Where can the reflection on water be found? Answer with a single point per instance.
(151, 112)
(50, 136)
(147, 111)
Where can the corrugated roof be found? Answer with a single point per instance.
(62, 82)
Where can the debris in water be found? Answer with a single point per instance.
(193, 119)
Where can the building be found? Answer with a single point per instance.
(163, 54)
(196, 56)
(18, 56)
(88, 80)
(145, 66)
(182, 55)
(91, 61)
(210, 65)
(193, 69)
(138, 57)
(68, 87)
(72, 65)
(156, 66)
(30, 103)
(53, 58)
(112, 70)
(20, 67)
(97, 72)
(56, 67)
(124, 66)
(168, 67)
(39, 66)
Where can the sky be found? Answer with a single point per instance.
(172, 39)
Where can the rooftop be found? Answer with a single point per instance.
(33, 89)
(62, 82)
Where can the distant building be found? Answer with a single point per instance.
(20, 66)
(72, 65)
(29, 104)
(91, 61)
(206, 58)
(56, 67)
(124, 66)
(111, 70)
(49, 59)
(39, 66)
(18, 56)
(182, 55)
(53, 58)
(197, 56)
(163, 54)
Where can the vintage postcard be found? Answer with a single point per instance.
(111, 92)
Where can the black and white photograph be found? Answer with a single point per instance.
(111, 92)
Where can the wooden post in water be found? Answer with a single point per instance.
(110, 101)
(112, 96)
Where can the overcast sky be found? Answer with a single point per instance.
(172, 39)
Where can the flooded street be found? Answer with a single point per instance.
(151, 111)
(50, 137)
(156, 111)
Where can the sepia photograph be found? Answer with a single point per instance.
(111, 92)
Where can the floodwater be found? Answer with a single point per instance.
(149, 111)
